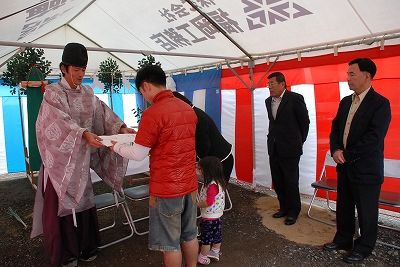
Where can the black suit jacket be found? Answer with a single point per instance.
(290, 128)
(209, 140)
(365, 142)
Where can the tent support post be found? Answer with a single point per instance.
(270, 67)
(118, 50)
(253, 117)
(21, 117)
(29, 173)
(111, 89)
(251, 87)
(237, 75)
(253, 134)
(251, 67)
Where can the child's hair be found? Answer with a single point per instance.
(212, 170)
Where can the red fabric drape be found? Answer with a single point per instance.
(324, 72)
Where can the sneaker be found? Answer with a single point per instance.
(203, 260)
(91, 256)
(213, 255)
(71, 262)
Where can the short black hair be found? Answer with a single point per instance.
(182, 97)
(365, 64)
(66, 68)
(151, 73)
(279, 77)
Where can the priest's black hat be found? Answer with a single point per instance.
(75, 54)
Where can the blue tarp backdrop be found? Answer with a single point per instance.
(210, 80)
(12, 157)
(207, 85)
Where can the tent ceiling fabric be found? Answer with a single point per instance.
(258, 27)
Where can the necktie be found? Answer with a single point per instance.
(353, 108)
(274, 105)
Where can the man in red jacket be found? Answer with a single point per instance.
(167, 131)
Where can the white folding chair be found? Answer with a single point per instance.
(114, 200)
(137, 193)
(324, 183)
(228, 198)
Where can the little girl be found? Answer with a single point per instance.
(211, 203)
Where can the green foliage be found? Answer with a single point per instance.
(149, 60)
(110, 75)
(138, 113)
(20, 65)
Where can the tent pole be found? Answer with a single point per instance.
(111, 89)
(21, 118)
(219, 28)
(237, 75)
(112, 54)
(251, 87)
(21, 49)
(253, 125)
(119, 50)
(253, 143)
(369, 40)
(26, 153)
(270, 67)
(251, 66)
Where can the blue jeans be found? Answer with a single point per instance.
(172, 221)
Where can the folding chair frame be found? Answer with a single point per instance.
(386, 198)
(324, 183)
(114, 200)
(137, 193)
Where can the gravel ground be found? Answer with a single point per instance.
(246, 241)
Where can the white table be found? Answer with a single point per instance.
(134, 167)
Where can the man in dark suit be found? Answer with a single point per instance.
(356, 144)
(288, 129)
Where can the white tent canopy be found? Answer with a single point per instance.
(189, 34)
(192, 35)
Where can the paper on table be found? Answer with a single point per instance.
(120, 138)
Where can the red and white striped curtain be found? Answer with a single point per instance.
(322, 82)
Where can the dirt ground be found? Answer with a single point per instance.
(251, 236)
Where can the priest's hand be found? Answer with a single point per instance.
(92, 139)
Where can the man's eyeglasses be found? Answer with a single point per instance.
(272, 84)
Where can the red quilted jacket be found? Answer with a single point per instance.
(168, 128)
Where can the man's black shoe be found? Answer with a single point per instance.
(333, 246)
(290, 220)
(354, 257)
(279, 214)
